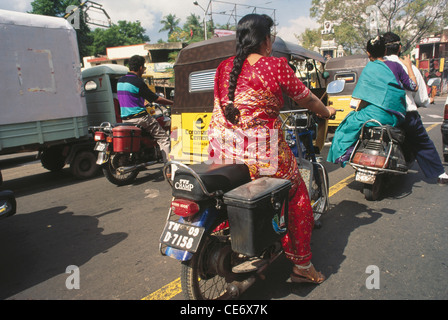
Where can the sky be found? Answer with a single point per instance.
(292, 15)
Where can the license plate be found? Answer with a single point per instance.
(182, 236)
(101, 146)
(365, 177)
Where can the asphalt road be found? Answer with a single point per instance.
(111, 235)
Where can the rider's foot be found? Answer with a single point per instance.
(306, 273)
(442, 180)
(253, 264)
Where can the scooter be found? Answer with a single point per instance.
(125, 149)
(377, 155)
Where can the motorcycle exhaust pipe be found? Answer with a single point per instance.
(236, 288)
(141, 166)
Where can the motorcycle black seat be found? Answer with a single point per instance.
(214, 177)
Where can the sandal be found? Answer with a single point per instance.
(306, 274)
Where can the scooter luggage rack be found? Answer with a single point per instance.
(377, 170)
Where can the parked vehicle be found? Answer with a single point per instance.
(43, 108)
(125, 149)
(445, 132)
(347, 68)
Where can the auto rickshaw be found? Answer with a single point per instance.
(100, 88)
(347, 68)
(194, 83)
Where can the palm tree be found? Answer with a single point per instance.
(170, 23)
(194, 24)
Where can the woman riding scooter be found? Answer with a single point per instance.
(381, 96)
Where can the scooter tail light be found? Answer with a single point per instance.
(184, 208)
(369, 160)
(100, 136)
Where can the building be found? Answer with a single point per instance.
(432, 57)
(159, 71)
(330, 49)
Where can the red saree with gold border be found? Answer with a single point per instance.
(258, 141)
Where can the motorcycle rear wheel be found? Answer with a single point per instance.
(201, 278)
(116, 161)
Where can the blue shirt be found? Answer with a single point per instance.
(132, 92)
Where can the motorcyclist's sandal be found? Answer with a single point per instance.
(306, 274)
(250, 265)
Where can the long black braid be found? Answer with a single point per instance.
(251, 31)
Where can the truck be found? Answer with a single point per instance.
(42, 105)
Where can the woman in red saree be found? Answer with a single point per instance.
(245, 128)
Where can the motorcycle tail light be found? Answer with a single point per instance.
(445, 115)
(184, 208)
(100, 136)
(369, 160)
(109, 139)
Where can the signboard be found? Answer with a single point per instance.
(194, 133)
(430, 40)
(223, 33)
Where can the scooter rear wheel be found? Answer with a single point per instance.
(372, 191)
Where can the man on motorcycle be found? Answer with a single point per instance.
(420, 144)
(132, 93)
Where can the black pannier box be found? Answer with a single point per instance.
(251, 209)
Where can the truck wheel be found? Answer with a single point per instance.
(52, 159)
(84, 165)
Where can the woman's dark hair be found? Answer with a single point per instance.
(135, 62)
(251, 31)
(393, 43)
(376, 47)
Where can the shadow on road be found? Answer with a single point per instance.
(40, 245)
(328, 245)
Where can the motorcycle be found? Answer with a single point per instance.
(225, 228)
(125, 149)
(378, 154)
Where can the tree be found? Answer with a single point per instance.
(56, 8)
(122, 34)
(410, 19)
(194, 27)
(170, 23)
(310, 38)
